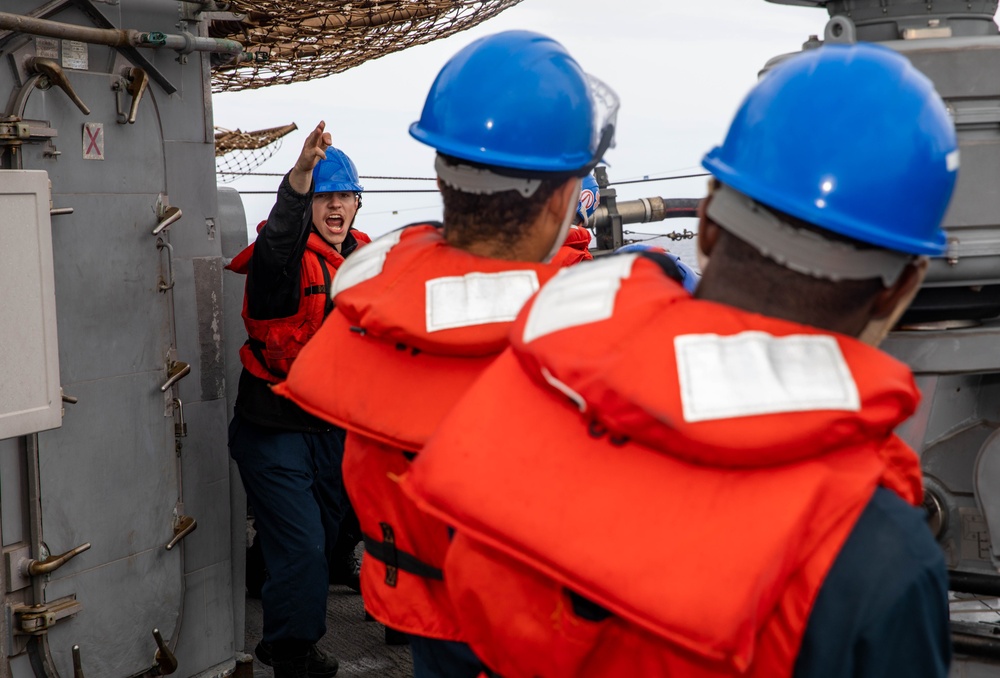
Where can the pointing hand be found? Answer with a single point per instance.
(313, 150)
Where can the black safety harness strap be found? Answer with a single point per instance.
(326, 286)
(396, 560)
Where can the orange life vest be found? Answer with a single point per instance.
(646, 484)
(273, 344)
(420, 320)
(575, 249)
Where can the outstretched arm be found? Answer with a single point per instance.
(274, 272)
(313, 150)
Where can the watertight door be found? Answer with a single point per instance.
(109, 476)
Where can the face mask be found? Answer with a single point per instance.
(877, 329)
(566, 223)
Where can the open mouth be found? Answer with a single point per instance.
(335, 223)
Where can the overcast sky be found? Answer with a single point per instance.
(680, 67)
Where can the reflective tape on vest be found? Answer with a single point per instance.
(477, 298)
(753, 373)
(364, 263)
(578, 295)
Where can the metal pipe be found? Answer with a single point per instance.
(55, 29)
(645, 210)
(974, 582)
(976, 640)
(184, 43)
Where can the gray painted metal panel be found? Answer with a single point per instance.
(954, 351)
(205, 461)
(186, 164)
(978, 203)
(964, 667)
(209, 302)
(233, 236)
(112, 317)
(206, 639)
(116, 640)
(112, 439)
(13, 494)
(966, 72)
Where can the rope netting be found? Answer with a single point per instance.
(238, 153)
(308, 39)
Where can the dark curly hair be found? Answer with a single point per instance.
(504, 217)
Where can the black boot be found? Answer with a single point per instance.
(295, 667)
(256, 572)
(394, 637)
(345, 566)
(345, 570)
(318, 664)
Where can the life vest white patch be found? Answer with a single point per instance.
(578, 295)
(364, 263)
(754, 373)
(477, 298)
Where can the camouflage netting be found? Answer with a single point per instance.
(308, 39)
(237, 153)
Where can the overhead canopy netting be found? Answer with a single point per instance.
(237, 153)
(308, 39)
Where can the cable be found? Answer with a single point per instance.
(381, 178)
(646, 181)
(675, 235)
(404, 209)
(400, 190)
(361, 176)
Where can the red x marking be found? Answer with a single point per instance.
(92, 139)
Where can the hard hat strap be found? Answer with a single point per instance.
(799, 249)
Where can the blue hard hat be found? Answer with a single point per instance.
(518, 100)
(851, 138)
(590, 198)
(335, 174)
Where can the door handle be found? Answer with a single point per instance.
(53, 72)
(33, 568)
(77, 663)
(138, 81)
(185, 525)
(176, 371)
(165, 660)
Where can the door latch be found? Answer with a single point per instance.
(38, 619)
